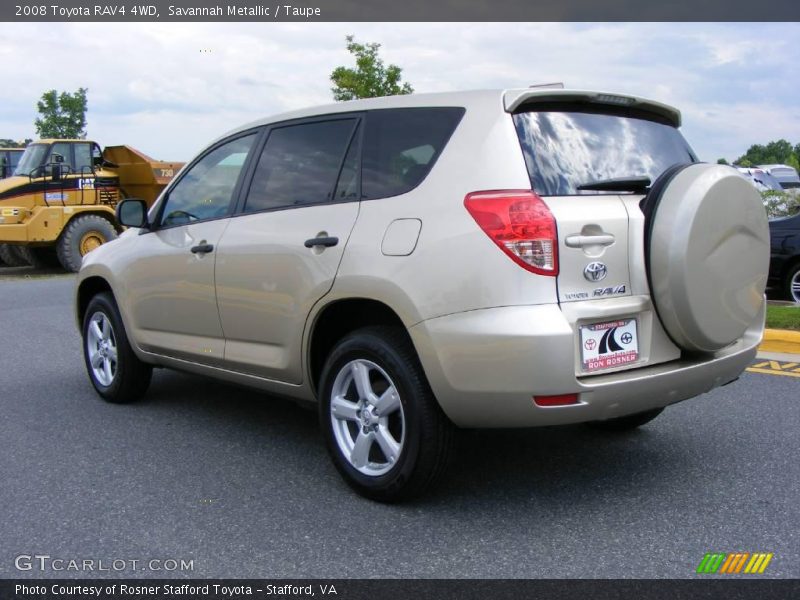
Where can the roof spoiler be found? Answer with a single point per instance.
(514, 99)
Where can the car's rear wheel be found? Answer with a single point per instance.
(627, 422)
(383, 427)
(114, 370)
(792, 283)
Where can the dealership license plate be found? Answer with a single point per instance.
(608, 345)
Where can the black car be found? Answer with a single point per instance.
(784, 266)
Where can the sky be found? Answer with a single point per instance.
(168, 89)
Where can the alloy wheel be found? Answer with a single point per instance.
(101, 346)
(367, 417)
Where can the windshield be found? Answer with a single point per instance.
(564, 149)
(31, 159)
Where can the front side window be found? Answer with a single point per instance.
(564, 149)
(300, 165)
(31, 160)
(206, 190)
(63, 150)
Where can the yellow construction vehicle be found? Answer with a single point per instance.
(59, 203)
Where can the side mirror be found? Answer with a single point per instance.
(132, 213)
(55, 172)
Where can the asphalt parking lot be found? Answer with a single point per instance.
(239, 483)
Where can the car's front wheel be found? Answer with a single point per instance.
(383, 427)
(114, 370)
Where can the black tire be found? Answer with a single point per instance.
(40, 258)
(427, 435)
(791, 280)
(628, 422)
(131, 377)
(11, 256)
(72, 245)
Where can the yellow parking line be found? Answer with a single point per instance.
(772, 372)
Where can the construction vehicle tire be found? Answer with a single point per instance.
(10, 256)
(82, 235)
(39, 258)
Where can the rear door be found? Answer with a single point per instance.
(281, 252)
(573, 151)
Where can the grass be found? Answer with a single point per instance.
(783, 317)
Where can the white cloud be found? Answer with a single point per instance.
(170, 88)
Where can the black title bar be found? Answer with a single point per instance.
(394, 589)
(399, 10)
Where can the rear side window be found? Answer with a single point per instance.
(401, 145)
(300, 165)
(564, 149)
(83, 158)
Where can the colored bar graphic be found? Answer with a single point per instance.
(711, 562)
(723, 563)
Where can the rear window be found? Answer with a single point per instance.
(564, 149)
(402, 145)
(784, 176)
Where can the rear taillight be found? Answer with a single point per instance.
(522, 226)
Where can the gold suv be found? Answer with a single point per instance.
(419, 263)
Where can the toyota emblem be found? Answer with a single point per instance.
(595, 271)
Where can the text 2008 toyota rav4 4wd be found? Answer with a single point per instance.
(417, 263)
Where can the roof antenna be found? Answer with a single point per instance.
(557, 85)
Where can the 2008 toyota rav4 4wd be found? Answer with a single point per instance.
(416, 263)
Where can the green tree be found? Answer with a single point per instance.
(779, 151)
(722, 161)
(9, 143)
(62, 115)
(370, 78)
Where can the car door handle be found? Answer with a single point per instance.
(321, 241)
(202, 248)
(577, 240)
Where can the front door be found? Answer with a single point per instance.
(171, 279)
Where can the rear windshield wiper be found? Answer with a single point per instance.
(618, 184)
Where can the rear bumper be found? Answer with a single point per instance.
(485, 366)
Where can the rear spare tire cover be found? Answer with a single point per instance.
(708, 255)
